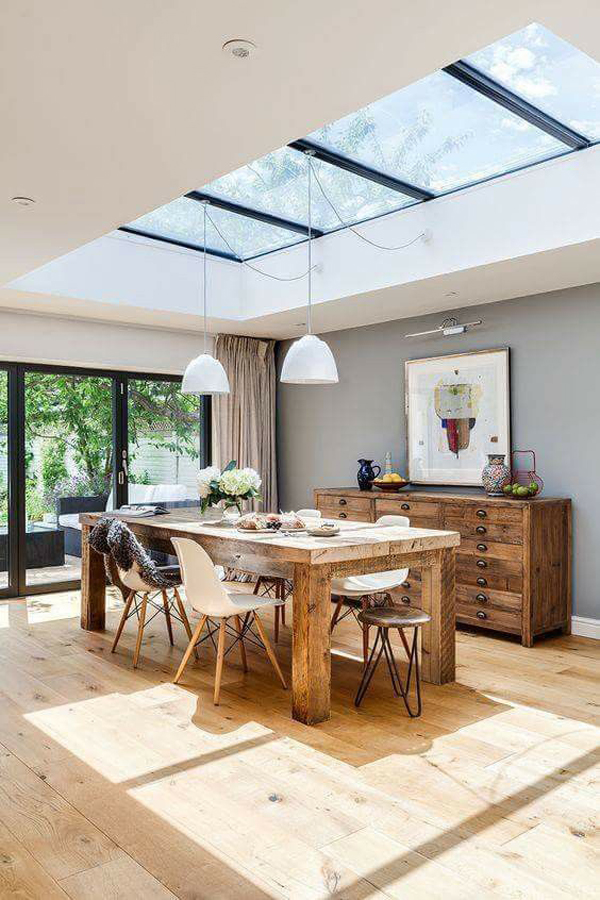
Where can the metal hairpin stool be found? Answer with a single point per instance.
(383, 618)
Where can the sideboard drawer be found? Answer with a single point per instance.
(484, 598)
(406, 507)
(481, 529)
(486, 579)
(485, 565)
(484, 512)
(485, 549)
(333, 501)
(498, 619)
(340, 512)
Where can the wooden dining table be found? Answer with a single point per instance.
(311, 562)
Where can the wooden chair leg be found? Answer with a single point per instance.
(258, 584)
(336, 613)
(268, 648)
(278, 596)
(140, 634)
(238, 625)
(190, 647)
(184, 618)
(220, 657)
(126, 609)
(282, 608)
(168, 616)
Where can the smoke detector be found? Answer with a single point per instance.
(240, 48)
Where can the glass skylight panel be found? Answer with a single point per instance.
(182, 220)
(439, 135)
(249, 237)
(548, 72)
(276, 184)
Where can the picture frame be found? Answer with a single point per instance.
(457, 409)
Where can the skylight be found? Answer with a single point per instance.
(524, 99)
(549, 73)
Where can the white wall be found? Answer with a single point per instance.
(26, 337)
(120, 268)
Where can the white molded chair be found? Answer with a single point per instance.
(358, 592)
(280, 588)
(208, 597)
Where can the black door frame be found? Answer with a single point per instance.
(17, 574)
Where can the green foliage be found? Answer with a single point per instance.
(54, 469)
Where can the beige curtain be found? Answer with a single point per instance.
(244, 420)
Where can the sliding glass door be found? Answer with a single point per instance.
(79, 440)
(68, 468)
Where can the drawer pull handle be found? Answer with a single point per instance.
(481, 529)
(343, 502)
(406, 600)
(482, 598)
(482, 547)
(482, 582)
(343, 515)
(481, 514)
(482, 563)
(405, 506)
(481, 614)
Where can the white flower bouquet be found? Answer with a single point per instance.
(229, 487)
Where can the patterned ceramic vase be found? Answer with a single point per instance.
(495, 474)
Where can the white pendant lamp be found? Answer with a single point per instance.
(205, 374)
(309, 360)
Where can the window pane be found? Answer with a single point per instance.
(183, 220)
(548, 72)
(164, 442)
(68, 468)
(438, 134)
(249, 237)
(277, 184)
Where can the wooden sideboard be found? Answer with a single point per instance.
(513, 566)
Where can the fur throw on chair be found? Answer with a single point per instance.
(111, 537)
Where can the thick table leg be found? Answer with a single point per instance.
(438, 593)
(93, 584)
(311, 653)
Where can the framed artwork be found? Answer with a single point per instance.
(457, 411)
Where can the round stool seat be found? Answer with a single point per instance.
(393, 617)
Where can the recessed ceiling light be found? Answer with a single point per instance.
(22, 201)
(240, 48)
(452, 294)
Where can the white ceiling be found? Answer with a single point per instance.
(111, 109)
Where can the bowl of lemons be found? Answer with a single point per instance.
(391, 482)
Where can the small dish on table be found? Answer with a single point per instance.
(324, 530)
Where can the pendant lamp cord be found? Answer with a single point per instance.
(246, 263)
(352, 228)
(204, 274)
(309, 224)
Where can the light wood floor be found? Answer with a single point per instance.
(116, 783)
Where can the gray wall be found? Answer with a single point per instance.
(555, 373)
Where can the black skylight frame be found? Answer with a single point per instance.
(463, 72)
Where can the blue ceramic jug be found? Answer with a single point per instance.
(366, 474)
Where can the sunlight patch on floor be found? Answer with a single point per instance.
(130, 737)
(53, 607)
